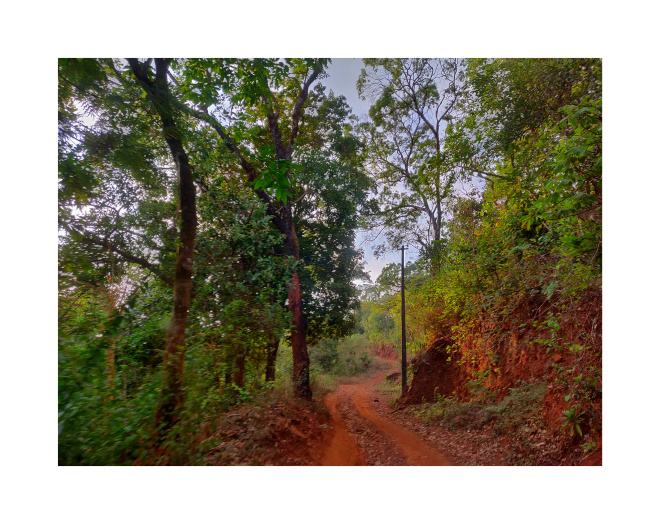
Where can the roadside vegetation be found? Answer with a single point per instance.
(508, 296)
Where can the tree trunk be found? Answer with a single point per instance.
(229, 371)
(271, 358)
(283, 219)
(110, 360)
(172, 395)
(299, 342)
(239, 372)
(301, 386)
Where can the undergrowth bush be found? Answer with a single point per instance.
(390, 389)
(345, 357)
(104, 422)
(522, 404)
(97, 429)
(450, 412)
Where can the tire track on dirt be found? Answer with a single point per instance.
(344, 450)
(416, 451)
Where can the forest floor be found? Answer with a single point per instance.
(359, 424)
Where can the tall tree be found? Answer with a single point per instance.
(156, 86)
(413, 99)
(273, 92)
(333, 193)
(115, 208)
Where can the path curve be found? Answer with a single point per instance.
(343, 449)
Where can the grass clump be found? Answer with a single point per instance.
(454, 414)
(515, 410)
(390, 389)
(519, 407)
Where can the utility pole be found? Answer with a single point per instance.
(404, 376)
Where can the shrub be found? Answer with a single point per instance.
(513, 411)
(519, 406)
(346, 357)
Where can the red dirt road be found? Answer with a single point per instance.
(364, 437)
(343, 450)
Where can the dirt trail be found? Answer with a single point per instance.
(343, 450)
(390, 442)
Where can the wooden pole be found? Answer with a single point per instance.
(404, 376)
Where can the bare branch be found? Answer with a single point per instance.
(86, 239)
(297, 109)
(482, 174)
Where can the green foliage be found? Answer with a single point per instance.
(118, 219)
(378, 324)
(478, 386)
(330, 158)
(521, 404)
(345, 357)
(326, 353)
(537, 227)
(240, 284)
(380, 310)
(275, 174)
(589, 446)
(572, 420)
(354, 357)
(96, 430)
(516, 409)
(530, 240)
(450, 412)
(520, 261)
(245, 92)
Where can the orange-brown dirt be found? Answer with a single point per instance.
(343, 450)
(434, 375)
(388, 443)
(505, 352)
(388, 436)
(280, 432)
(358, 425)
(355, 425)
